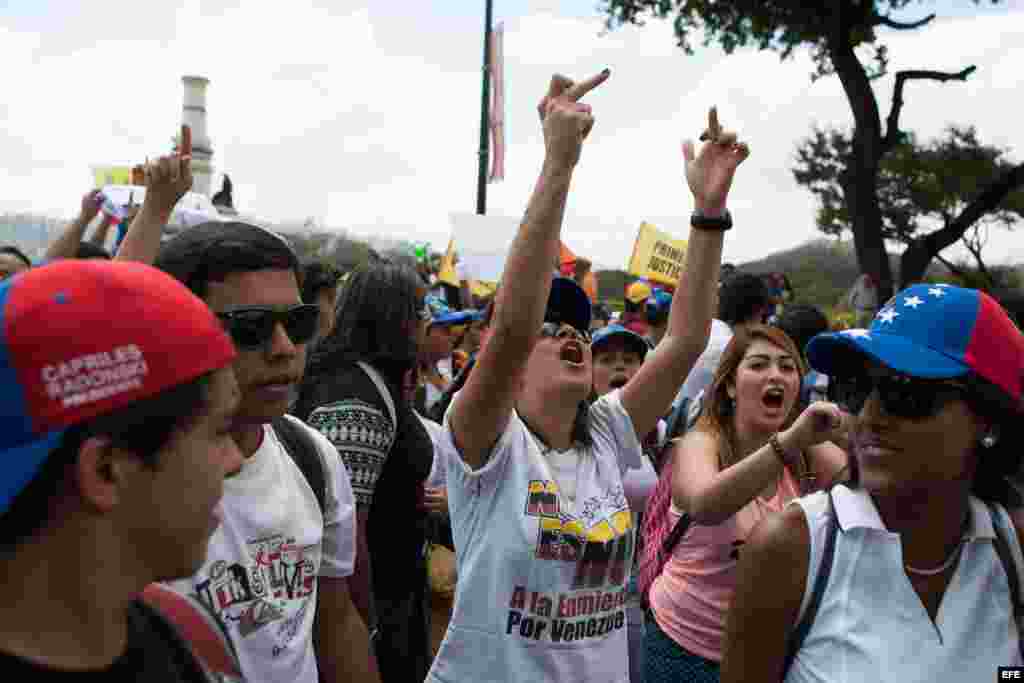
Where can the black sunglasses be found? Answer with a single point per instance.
(901, 396)
(253, 326)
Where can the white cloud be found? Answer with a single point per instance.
(369, 121)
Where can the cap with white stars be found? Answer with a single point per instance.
(931, 331)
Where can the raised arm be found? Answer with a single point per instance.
(66, 246)
(167, 180)
(649, 394)
(712, 495)
(102, 232)
(482, 409)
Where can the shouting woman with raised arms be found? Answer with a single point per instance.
(543, 531)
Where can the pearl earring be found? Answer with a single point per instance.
(988, 441)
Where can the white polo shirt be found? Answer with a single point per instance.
(872, 626)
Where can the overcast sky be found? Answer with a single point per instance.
(366, 115)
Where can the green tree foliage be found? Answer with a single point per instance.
(611, 284)
(843, 38)
(925, 190)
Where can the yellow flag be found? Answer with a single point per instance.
(447, 272)
(657, 256)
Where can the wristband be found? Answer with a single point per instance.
(701, 221)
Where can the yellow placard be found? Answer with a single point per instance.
(446, 274)
(657, 256)
(111, 175)
(483, 289)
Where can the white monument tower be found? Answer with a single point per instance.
(193, 114)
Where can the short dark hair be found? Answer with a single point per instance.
(317, 277)
(17, 253)
(143, 428)
(740, 296)
(802, 322)
(90, 250)
(209, 252)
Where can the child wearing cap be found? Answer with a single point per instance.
(618, 354)
(912, 571)
(114, 443)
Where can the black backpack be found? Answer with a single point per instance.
(301, 448)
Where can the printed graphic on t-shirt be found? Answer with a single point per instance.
(274, 589)
(599, 542)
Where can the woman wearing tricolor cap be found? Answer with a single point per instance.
(543, 531)
(911, 572)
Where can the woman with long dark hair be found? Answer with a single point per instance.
(912, 571)
(353, 394)
(543, 531)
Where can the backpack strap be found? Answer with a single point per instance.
(302, 449)
(202, 648)
(385, 393)
(678, 531)
(803, 627)
(1002, 547)
(667, 546)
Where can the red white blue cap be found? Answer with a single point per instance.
(84, 338)
(931, 332)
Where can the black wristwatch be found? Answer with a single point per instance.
(701, 221)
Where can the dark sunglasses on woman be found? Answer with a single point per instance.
(912, 398)
(251, 327)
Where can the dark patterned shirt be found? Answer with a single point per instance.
(362, 433)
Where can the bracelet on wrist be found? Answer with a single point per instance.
(703, 221)
(780, 452)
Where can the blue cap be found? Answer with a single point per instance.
(569, 304)
(932, 332)
(604, 335)
(660, 300)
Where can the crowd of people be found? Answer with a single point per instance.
(222, 464)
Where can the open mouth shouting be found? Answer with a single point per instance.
(773, 397)
(618, 381)
(572, 353)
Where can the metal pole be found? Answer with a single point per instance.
(485, 118)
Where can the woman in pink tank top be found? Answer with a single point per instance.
(748, 456)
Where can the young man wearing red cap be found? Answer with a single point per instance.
(114, 444)
(277, 570)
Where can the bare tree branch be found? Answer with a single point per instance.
(892, 132)
(882, 20)
(952, 267)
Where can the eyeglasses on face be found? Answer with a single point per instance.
(912, 398)
(251, 327)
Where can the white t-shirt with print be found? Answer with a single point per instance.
(542, 580)
(261, 569)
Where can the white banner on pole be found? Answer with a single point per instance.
(482, 244)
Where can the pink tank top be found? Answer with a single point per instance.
(690, 597)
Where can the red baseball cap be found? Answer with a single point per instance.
(83, 338)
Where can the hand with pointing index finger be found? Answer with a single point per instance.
(710, 173)
(566, 121)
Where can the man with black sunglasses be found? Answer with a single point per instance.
(277, 569)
